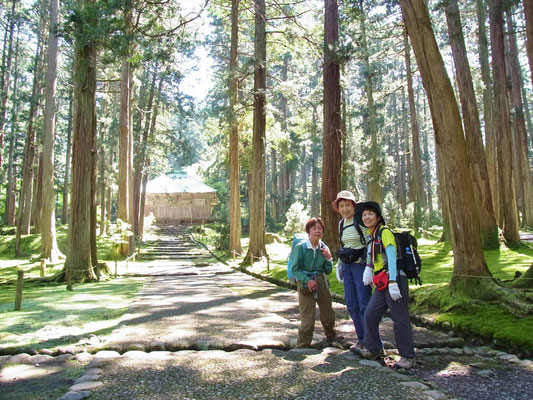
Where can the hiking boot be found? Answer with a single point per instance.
(336, 338)
(365, 353)
(405, 363)
(356, 347)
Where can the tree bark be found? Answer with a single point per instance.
(528, 11)
(489, 127)
(257, 247)
(315, 154)
(234, 142)
(450, 142)
(472, 127)
(146, 167)
(79, 263)
(26, 193)
(140, 168)
(9, 218)
(502, 126)
(49, 249)
(375, 190)
(64, 210)
(331, 138)
(523, 176)
(6, 78)
(416, 174)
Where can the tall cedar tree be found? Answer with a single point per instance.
(416, 174)
(78, 263)
(490, 136)
(331, 137)
(257, 247)
(234, 163)
(469, 260)
(125, 175)
(26, 191)
(472, 127)
(375, 190)
(49, 249)
(528, 11)
(6, 77)
(522, 179)
(502, 126)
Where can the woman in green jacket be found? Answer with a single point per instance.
(310, 269)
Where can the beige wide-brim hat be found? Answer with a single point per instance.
(343, 195)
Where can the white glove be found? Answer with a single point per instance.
(339, 272)
(394, 291)
(367, 276)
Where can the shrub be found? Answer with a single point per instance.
(297, 216)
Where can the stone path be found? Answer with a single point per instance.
(200, 330)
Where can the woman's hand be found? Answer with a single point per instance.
(311, 285)
(326, 253)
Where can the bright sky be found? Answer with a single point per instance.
(198, 81)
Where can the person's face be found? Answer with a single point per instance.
(346, 208)
(316, 232)
(370, 218)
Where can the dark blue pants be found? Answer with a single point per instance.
(356, 295)
(403, 331)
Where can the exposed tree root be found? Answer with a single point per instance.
(525, 280)
(462, 294)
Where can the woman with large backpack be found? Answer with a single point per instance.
(351, 264)
(391, 289)
(310, 268)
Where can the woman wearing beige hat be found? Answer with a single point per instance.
(352, 261)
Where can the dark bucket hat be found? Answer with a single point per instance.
(360, 207)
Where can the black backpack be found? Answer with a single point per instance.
(407, 257)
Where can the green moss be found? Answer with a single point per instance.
(492, 322)
(51, 311)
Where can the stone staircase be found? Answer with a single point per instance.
(175, 243)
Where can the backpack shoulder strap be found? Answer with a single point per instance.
(341, 229)
(360, 232)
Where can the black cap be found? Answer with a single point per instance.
(360, 207)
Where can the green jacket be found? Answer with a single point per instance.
(311, 262)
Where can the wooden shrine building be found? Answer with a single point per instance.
(177, 198)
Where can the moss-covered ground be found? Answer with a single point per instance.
(52, 316)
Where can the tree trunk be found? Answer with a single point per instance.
(472, 127)
(151, 134)
(523, 177)
(405, 159)
(140, 168)
(234, 142)
(6, 77)
(37, 200)
(257, 248)
(315, 195)
(123, 150)
(64, 210)
(528, 11)
(331, 138)
(416, 173)
(450, 141)
(502, 126)
(78, 263)
(49, 249)
(102, 168)
(489, 126)
(274, 184)
(9, 217)
(26, 193)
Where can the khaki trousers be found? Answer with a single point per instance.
(307, 312)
